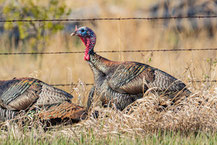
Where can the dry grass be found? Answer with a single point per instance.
(191, 120)
(194, 114)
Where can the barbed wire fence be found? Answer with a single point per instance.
(108, 51)
(109, 19)
(111, 51)
(91, 84)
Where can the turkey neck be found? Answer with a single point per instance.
(99, 63)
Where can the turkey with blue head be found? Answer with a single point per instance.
(121, 83)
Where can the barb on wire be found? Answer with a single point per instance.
(108, 51)
(202, 81)
(39, 53)
(91, 84)
(69, 85)
(108, 19)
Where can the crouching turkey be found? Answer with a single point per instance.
(24, 94)
(121, 83)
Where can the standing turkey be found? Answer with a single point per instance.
(121, 83)
(28, 93)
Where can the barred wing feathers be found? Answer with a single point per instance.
(127, 78)
(136, 78)
(7, 114)
(50, 95)
(164, 81)
(19, 94)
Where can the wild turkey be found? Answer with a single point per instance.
(121, 83)
(28, 93)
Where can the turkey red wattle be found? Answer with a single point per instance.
(86, 55)
(89, 43)
(86, 42)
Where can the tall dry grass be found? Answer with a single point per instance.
(140, 120)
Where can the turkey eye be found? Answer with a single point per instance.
(82, 30)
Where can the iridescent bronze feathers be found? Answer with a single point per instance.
(121, 83)
(28, 93)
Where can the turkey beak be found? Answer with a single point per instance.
(75, 32)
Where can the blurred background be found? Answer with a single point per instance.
(111, 35)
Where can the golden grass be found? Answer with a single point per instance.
(196, 114)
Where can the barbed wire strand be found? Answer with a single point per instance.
(91, 84)
(107, 51)
(106, 19)
(72, 84)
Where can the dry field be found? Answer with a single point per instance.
(192, 122)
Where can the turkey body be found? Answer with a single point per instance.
(25, 93)
(121, 83)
